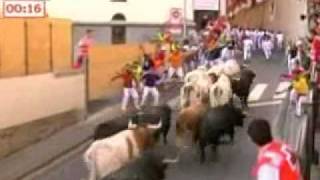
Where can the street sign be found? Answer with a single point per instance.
(206, 5)
(175, 22)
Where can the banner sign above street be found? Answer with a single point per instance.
(206, 5)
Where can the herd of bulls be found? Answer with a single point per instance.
(126, 148)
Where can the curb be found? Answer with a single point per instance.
(35, 164)
(12, 168)
(173, 103)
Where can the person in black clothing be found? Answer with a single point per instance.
(147, 63)
(150, 79)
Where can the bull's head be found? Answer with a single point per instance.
(132, 125)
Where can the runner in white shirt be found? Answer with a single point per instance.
(267, 47)
(255, 39)
(280, 39)
(227, 53)
(247, 48)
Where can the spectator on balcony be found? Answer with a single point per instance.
(83, 47)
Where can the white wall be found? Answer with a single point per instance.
(28, 98)
(101, 11)
(287, 18)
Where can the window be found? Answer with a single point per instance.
(118, 17)
(118, 31)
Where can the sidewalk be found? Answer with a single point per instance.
(42, 153)
(292, 130)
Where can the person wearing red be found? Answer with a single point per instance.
(159, 62)
(83, 48)
(315, 47)
(315, 52)
(128, 88)
(276, 160)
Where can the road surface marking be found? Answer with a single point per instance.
(257, 92)
(282, 86)
(266, 103)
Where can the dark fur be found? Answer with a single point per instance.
(110, 128)
(241, 88)
(217, 122)
(149, 166)
(153, 115)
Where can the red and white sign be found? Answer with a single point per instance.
(24, 8)
(206, 5)
(175, 22)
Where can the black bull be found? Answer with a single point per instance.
(150, 115)
(216, 123)
(241, 88)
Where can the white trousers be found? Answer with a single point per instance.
(154, 92)
(267, 52)
(298, 100)
(127, 93)
(291, 62)
(280, 44)
(178, 71)
(247, 53)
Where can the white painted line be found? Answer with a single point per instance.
(281, 87)
(266, 103)
(257, 92)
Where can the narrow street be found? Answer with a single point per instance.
(233, 160)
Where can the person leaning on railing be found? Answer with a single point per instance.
(299, 91)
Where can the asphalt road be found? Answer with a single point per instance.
(234, 161)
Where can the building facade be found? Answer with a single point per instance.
(129, 21)
(119, 21)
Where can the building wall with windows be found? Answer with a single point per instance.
(142, 19)
(102, 11)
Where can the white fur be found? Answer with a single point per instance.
(110, 154)
(231, 68)
(223, 85)
(199, 80)
(216, 69)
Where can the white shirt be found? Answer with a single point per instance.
(267, 44)
(247, 44)
(226, 54)
(268, 172)
(280, 37)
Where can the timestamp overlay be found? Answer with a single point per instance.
(24, 8)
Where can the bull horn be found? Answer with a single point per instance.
(158, 126)
(131, 125)
(171, 161)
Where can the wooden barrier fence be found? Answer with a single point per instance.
(105, 61)
(33, 46)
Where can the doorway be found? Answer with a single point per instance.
(118, 31)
